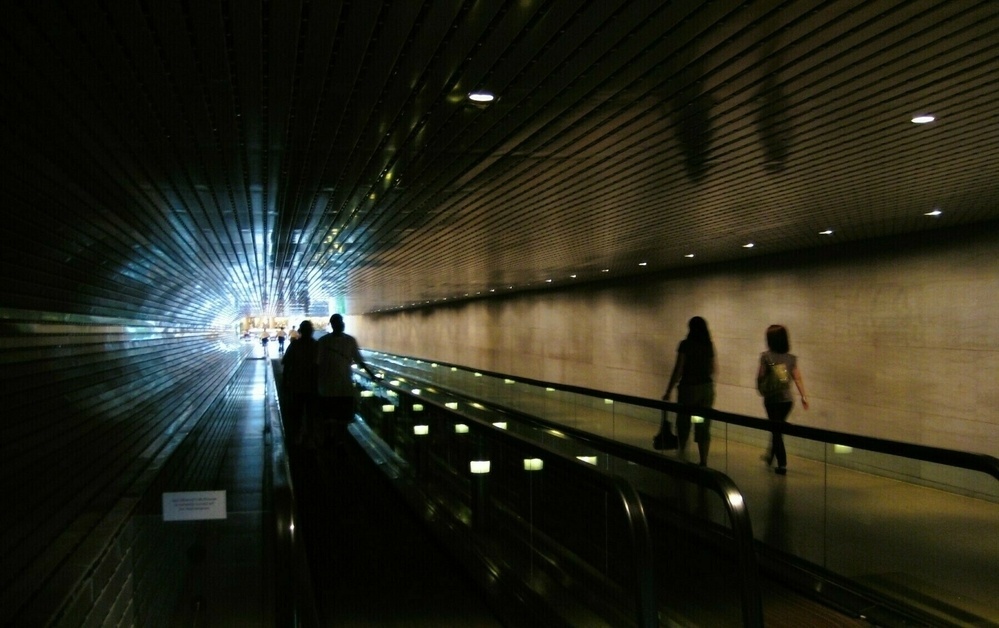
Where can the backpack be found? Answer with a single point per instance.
(776, 380)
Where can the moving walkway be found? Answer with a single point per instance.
(851, 536)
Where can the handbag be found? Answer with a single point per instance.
(665, 439)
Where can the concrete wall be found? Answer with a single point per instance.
(896, 339)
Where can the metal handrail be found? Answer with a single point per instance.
(641, 541)
(722, 485)
(982, 463)
(293, 605)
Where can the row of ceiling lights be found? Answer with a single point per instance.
(828, 232)
(485, 97)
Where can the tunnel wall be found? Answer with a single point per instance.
(896, 339)
(93, 408)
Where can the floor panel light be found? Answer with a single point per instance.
(479, 467)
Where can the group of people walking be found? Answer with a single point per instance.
(317, 383)
(693, 378)
(318, 389)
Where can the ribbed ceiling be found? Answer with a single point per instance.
(211, 156)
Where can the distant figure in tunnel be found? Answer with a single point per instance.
(778, 368)
(281, 335)
(336, 353)
(300, 386)
(693, 376)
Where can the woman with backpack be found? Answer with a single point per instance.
(778, 368)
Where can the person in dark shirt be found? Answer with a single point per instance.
(693, 377)
(299, 383)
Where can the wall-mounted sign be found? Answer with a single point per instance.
(194, 506)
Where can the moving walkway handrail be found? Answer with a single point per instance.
(641, 541)
(293, 596)
(710, 479)
(981, 463)
(631, 506)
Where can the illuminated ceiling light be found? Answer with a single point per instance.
(934, 213)
(748, 245)
(924, 119)
(572, 276)
(643, 263)
(689, 255)
(481, 97)
(606, 270)
(548, 280)
(826, 232)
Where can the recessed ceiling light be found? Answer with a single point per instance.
(826, 232)
(606, 270)
(481, 97)
(924, 119)
(572, 276)
(748, 245)
(935, 212)
(689, 255)
(643, 263)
